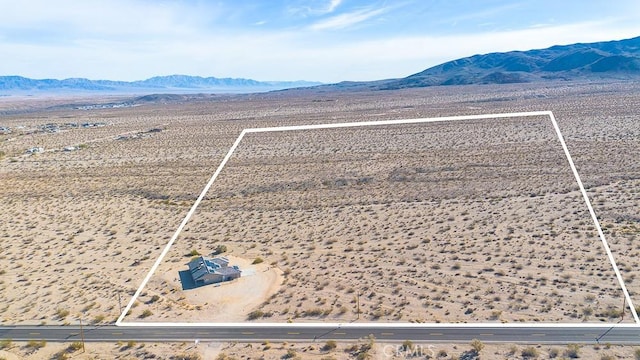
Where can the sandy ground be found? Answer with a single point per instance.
(439, 223)
(99, 351)
(226, 302)
(374, 349)
(369, 348)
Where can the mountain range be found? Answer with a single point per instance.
(158, 84)
(610, 60)
(591, 61)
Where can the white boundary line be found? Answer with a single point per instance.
(182, 224)
(120, 322)
(386, 325)
(605, 244)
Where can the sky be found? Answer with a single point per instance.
(315, 40)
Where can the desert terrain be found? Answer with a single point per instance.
(443, 222)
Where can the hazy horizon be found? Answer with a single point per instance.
(322, 40)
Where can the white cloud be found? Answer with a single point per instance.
(134, 40)
(104, 18)
(313, 8)
(346, 20)
(333, 4)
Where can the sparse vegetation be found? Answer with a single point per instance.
(62, 313)
(530, 352)
(255, 314)
(330, 345)
(74, 346)
(5, 344)
(572, 351)
(220, 249)
(36, 344)
(424, 246)
(477, 346)
(196, 356)
(407, 345)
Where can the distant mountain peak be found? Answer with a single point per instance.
(157, 84)
(583, 61)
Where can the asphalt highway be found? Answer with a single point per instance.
(443, 334)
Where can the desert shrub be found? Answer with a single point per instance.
(60, 355)
(220, 249)
(529, 352)
(75, 346)
(223, 356)
(477, 345)
(572, 351)
(35, 344)
(98, 319)
(146, 313)
(258, 260)
(636, 353)
(314, 312)
(5, 344)
(611, 313)
(255, 314)
(193, 252)
(154, 298)
(194, 356)
(330, 345)
(62, 313)
(291, 354)
(407, 345)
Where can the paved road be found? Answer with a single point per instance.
(554, 334)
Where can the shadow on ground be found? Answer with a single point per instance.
(186, 280)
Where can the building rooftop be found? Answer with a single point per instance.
(203, 265)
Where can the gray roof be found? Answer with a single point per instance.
(205, 265)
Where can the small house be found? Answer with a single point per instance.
(206, 270)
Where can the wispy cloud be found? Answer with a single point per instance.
(99, 40)
(314, 8)
(346, 20)
(333, 4)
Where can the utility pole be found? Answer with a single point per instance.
(120, 300)
(358, 305)
(82, 334)
(624, 304)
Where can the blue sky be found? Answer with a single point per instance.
(322, 40)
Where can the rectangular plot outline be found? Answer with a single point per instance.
(119, 321)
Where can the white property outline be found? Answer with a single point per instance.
(373, 123)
